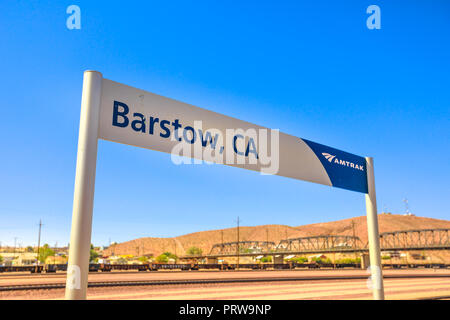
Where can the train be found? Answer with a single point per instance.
(53, 268)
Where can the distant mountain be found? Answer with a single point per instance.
(206, 239)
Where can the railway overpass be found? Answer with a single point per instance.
(409, 240)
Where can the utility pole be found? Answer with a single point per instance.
(353, 231)
(267, 239)
(14, 251)
(238, 243)
(54, 256)
(39, 242)
(221, 248)
(354, 238)
(175, 242)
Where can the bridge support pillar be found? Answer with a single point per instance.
(278, 259)
(211, 260)
(365, 261)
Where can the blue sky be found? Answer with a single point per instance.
(310, 69)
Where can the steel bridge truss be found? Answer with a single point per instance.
(244, 247)
(423, 239)
(416, 239)
(320, 244)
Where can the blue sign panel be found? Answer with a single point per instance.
(345, 170)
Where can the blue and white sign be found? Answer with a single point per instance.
(140, 118)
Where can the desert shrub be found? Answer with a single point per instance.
(194, 251)
(266, 259)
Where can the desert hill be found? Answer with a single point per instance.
(206, 239)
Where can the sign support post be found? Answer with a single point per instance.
(83, 200)
(373, 234)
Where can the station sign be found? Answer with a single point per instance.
(136, 117)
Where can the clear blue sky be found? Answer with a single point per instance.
(311, 69)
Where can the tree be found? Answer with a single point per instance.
(170, 255)
(45, 252)
(349, 261)
(143, 259)
(194, 251)
(165, 256)
(29, 249)
(1, 259)
(93, 255)
(299, 259)
(162, 258)
(321, 260)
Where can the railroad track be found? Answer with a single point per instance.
(211, 281)
(436, 298)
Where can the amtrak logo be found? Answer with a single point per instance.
(328, 156)
(333, 159)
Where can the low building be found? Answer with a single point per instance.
(56, 260)
(19, 258)
(103, 261)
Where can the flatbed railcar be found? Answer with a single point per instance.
(52, 268)
(32, 269)
(347, 265)
(171, 266)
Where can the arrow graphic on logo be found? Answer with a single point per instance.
(328, 156)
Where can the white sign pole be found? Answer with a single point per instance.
(373, 234)
(83, 199)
